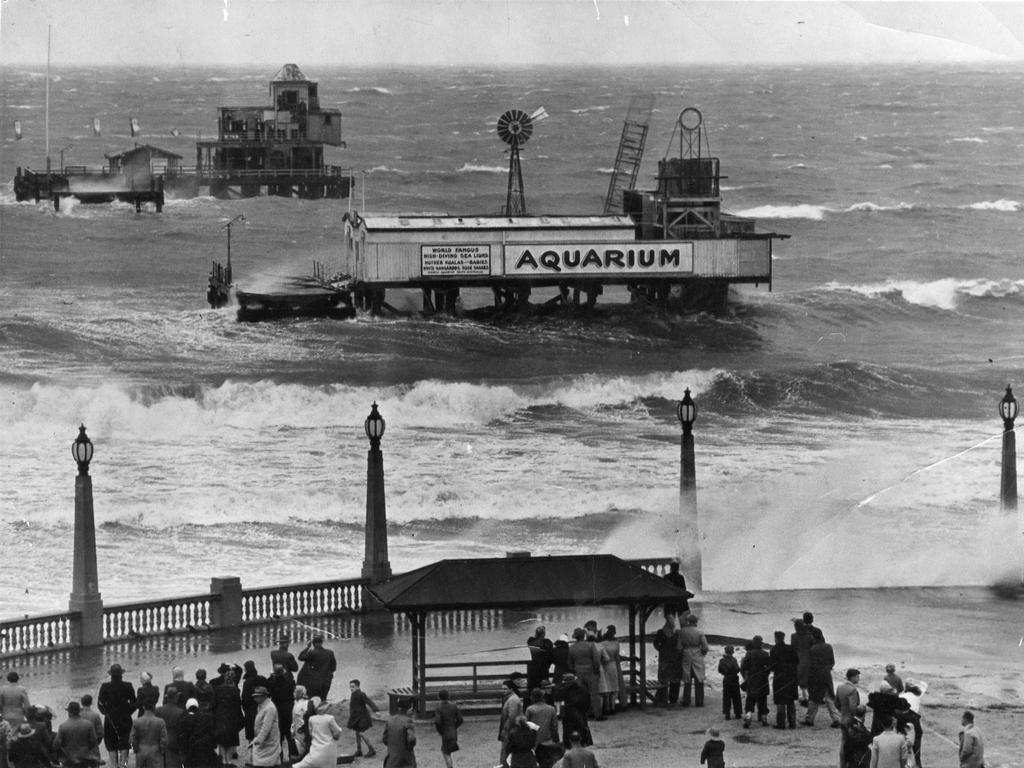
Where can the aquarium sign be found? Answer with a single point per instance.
(452, 260)
(656, 257)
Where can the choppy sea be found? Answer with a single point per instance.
(847, 433)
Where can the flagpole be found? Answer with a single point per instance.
(49, 30)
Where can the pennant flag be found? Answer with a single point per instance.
(135, 126)
(96, 126)
(17, 129)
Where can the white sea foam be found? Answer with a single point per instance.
(866, 206)
(968, 140)
(802, 211)
(1009, 206)
(477, 168)
(378, 90)
(940, 294)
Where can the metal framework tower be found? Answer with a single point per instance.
(631, 150)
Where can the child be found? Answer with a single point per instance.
(359, 706)
(714, 750)
(729, 668)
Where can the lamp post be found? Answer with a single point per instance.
(1008, 477)
(85, 594)
(62, 151)
(376, 567)
(689, 528)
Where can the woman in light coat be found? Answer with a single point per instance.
(695, 647)
(324, 733)
(611, 670)
(266, 739)
(299, 712)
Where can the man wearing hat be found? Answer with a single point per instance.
(76, 739)
(283, 656)
(29, 747)
(266, 739)
(318, 666)
(116, 702)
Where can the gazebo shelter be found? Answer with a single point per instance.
(525, 583)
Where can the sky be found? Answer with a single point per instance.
(490, 33)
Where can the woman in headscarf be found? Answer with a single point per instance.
(299, 712)
(324, 734)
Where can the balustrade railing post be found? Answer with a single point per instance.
(227, 611)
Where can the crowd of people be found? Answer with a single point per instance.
(800, 672)
(241, 717)
(284, 717)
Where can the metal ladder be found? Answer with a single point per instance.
(631, 150)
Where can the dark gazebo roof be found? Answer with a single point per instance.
(514, 582)
(148, 149)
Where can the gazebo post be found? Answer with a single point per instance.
(421, 702)
(632, 652)
(645, 613)
(418, 619)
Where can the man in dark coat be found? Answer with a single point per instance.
(670, 662)
(802, 639)
(182, 689)
(676, 579)
(251, 680)
(195, 738)
(784, 689)
(821, 690)
(575, 705)
(539, 666)
(281, 686)
(284, 657)
(116, 702)
(172, 713)
(754, 668)
(318, 666)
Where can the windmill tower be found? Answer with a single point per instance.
(515, 128)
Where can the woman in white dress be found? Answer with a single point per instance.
(324, 733)
(298, 719)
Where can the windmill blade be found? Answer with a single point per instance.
(539, 114)
(515, 127)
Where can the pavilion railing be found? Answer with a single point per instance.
(228, 605)
(297, 600)
(157, 617)
(37, 633)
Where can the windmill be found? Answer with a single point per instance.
(515, 128)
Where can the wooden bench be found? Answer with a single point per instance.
(471, 684)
